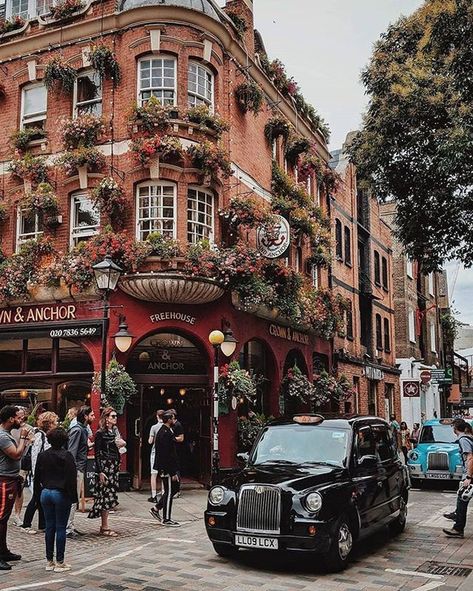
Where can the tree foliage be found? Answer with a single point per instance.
(416, 144)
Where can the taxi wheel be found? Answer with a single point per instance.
(336, 559)
(225, 550)
(416, 482)
(399, 524)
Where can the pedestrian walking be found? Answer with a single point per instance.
(167, 465)
(55, 486)
(78, 445)
(45, 422)
(178, 431)
(25, 465)
(465, 491)
(415, 434)
(394, 424)
(152, 441)
(404, 440)
(107, 460)
(11, 453)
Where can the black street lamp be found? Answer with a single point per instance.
(106, 273)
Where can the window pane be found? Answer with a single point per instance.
(200, 85)
(85, 219)
(34, 100)
(39, 355)
(199, 215)
(11, 354)
(155, 210)
(73, 358)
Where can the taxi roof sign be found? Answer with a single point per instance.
(308, 419)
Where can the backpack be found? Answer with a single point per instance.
(26, 460)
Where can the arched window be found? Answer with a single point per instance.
(155, 209)
(200, 85)
(157, 77)
(377, 268)
(85, 218)
(200, 215)
(379, 334)
(347, 245)
(338, 240)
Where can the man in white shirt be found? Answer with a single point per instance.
(152, 440)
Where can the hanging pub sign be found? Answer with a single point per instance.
(273, 242)
(410, 389)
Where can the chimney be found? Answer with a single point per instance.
(244, 10)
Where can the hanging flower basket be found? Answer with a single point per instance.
(82, 132)
(333, 388)
(237, 382)
(109, 198)
(30, 168)
(88, 158)
(202, 116)
(295, 147)
(210, 159)
(249, 97)
(119, 386)
(41, 200)
(21, 139)
(104, 61)
(150, 118)
(296, 385)
(66, 9)
(164, 147)
(59, 76)
(276, 127)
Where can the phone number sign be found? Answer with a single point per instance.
(73, 332)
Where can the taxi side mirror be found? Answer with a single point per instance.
(243, 457)
(368, 461)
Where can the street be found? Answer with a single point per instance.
(149, 557)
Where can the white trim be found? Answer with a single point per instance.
(209, 102)
(155, 183)
(211, 228)
(433, 337)
(409, 268)
(38, 231)
(82, 74)
(152, 57)
(411, 325)
(250, 182)
(88, 231)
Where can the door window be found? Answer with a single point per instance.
(365, 444)
(384, 442)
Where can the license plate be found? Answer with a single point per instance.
(256, 542)
(438, 475)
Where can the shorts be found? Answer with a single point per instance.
(151, 462)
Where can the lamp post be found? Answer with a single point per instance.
(106, 273)
(227, 343)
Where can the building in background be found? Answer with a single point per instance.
(362, 271)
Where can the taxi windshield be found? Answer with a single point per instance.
(301, 444)
(437, 434)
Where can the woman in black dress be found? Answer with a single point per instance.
(107, 460)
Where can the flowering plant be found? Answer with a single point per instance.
(150, 117)
(89, 157)
(163, 247)
(202, 116)
(3, 215)
(104, 61)
(109, 198)
(58, 75)
(82, 131)
(295, 147)
(33, 168)
(327, 385)
(249, 97)
(309, 163)
(238, 382)
(65, 8)
(275, 127)
(21, 138)
(330, 180)
(296, 385)
(119, 386)
(165, 146)
(6, 26)
(324, 311)
(248, 211)
(41, 200)
(211, 159)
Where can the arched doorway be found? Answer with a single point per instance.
(171, 371)
(288, 404)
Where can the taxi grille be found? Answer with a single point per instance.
(438, 461)
(259, 509)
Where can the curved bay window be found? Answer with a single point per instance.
(155, 209)
(157, 77)
(200, 85)
(200, 215)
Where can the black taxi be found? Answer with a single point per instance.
(311, 485)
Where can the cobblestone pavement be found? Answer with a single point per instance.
(149, 557)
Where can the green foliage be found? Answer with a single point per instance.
(249, 97)
(119, 386)
(202, 116)
(163, 247)
(59, 76)
(33, 168)
(150, 117)
(41, 200)
(241, 25)
(238, 382)
(416, 144)
(104, 61)
(20, 139)
(248, 430)
(275, 127)
(450, 326)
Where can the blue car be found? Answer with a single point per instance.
(437, 455)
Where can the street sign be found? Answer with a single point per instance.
(410, 389)
(438, 374)
(442, 376)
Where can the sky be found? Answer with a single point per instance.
(325, 44)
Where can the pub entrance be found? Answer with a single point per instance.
(171, 373)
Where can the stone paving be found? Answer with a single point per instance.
(149, 557)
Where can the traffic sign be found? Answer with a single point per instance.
(425, 376)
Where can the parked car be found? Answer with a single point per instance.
(311, 485)
(437, 455)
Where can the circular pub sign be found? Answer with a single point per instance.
(273, 243)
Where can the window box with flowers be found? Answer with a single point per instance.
(59, 76)
(236, 382)
(104, 61)
(164, 254)
(150, 151)
(150, 118)
(276, 127)
(10, 27)
(109, 198)
(32, 169)
(48, 285)
(82, 132)
(66, 9)
(81, 161)
(202, 116)
(42, 200)
(249, 97)
(22, 139)
(211, 160)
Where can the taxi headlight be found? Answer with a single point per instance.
(216, 495)
(313, 502)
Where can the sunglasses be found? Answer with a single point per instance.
(113, 416)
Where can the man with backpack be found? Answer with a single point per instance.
(465, 492)
(79, 447)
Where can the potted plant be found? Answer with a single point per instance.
(21, 139)
(249, 97)
(104, 61)
(202, 116)
(235, 382)
(120, 387)
(277, 127)
(65, 9)
(59, 76)
(210, 159)
(149, 151)
(80, 161)
(109, 198)
(295, 147)
(150, 118)
(329, 386)
(9, 25)
(82, 132)
(296, 385)
(162, 247)
(249, 212)
(32, 169)
(41, 200)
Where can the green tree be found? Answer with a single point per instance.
(416, 144)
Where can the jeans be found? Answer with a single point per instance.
(460, 513)
(56, 506)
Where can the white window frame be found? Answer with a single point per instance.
(431, 284)
(77, 233)
(433, 338)
(314, 271)
(411, 323)
(201, 99)
(150, 58)
(161, 219)
(89, 102)
(38, 115)
(211, 227)
(30, 12)
(21, 238)
(409, 268)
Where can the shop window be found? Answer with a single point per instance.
(387, 336)
(29, 227)
(11, 354)
(156, 210)
(338, 240)
(200, 215)
(200, 85)
(73, 358)
(347, 245)
(85, 219)
(33, 106)
(384, 272)
(157, 77)
(88, 94)
(39, 354)
(377, 268)
(379, 334)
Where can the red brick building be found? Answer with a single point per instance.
(184, 53)
(362, 271)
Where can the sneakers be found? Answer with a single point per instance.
(155, 513)
(72, 535)
(51, 565)
(17, 520)
(453, 533)
(61, 567)
(152, 499)
(27, 530)
(171, 523)
(452, 516)
(9, 556)
(4, 565)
